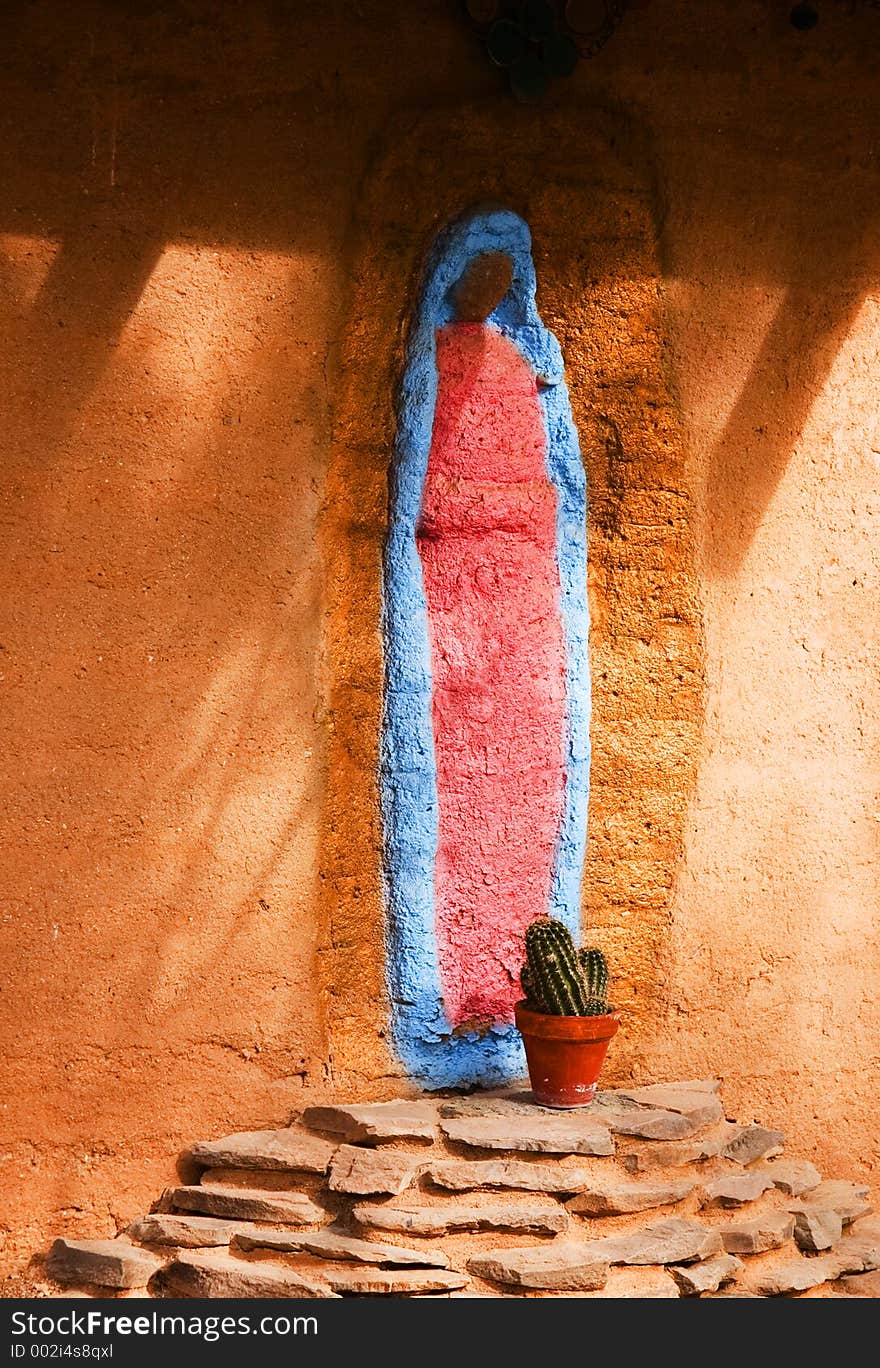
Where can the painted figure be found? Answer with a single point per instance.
(485, 747)
(487, 540)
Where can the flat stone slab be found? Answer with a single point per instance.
(248, 1204)
(185, 1232)
(626, 1117)
(752, 1142)
(440, 1220)
(612, 1109)
(289, 1150)
(673, 1241)
(563, 1266)
(769, 1230)
(817, 1229)
(701, 1105)
(374, 1122)
(618, 1198)
(797, 1275)
(393, 1282)
(856, 1253)
(104, 1263)
(203, 1273)
(364, 1171)
(849, 1200)
(734, 1189)
(677, 1153)
(546, 1133)
(861, 1242)
(792, 1176)
(860, 1285)
(510, 1102)
(695, 1279)
(467, 1175)
(335, 1245)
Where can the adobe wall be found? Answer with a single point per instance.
(211, 221)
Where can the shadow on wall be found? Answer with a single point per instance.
(812, 253)
(751, 456)
(777, 906)
(168, 303)
(161, 638)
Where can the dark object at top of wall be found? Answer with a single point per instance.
(534, 41)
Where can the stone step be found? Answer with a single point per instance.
(619, 1198)
(442, 1220)
(335, 1245)
(543, 1133)
(204, 1273)
(817, 1229)
(264, 1180)
(749, 1143)
(186, 1232)
(676, 1240)
(857, 1252)
(794, 1177)
(292, 1149)
(375, 1122)
(621, 1110)
(611, 1111)
(467, 1175)
(393, 1282)
(735, 1189)
(566, 1265)
(700, 1105)
(363, 1171)
(569, 1264)
(695, 1279)
(678, 1153)
(248, 1204)
(624, 1116)
(769, 1230)
(860, 1285)
(849, 1200)
(561, 1266)
(101, 1263)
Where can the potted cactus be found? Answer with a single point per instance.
(565, 1021)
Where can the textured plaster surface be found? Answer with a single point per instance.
(485, 749)
(204, 211)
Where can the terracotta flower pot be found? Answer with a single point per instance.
(565, 1054)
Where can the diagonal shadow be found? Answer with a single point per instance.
(72, 330)
(759, 437)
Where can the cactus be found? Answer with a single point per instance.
(594, 968)
(559, 980)
(554, 968)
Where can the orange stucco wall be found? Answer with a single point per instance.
(211, 217)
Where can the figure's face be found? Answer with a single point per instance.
(482, 286)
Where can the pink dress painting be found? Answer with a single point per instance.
(486, 537)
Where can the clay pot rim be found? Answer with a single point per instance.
(530, 1022)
